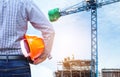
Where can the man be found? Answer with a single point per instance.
(14, 18)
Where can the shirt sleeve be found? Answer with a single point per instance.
(40, 22)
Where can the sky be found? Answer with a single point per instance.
(73, 36)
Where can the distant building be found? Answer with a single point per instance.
(110, 72)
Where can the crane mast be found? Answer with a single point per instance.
(94, 45)
(88, 5)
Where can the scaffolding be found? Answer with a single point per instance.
(74, 68)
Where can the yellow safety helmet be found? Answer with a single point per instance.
(32, 47)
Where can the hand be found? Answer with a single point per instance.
(40, 59)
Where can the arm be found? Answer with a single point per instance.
(40, 22)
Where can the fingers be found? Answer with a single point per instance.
(39, 60)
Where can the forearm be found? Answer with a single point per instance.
(48, 34)
(48, 39)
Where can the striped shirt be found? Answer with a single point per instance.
(14, 18)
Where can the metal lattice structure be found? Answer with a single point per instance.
(85, 6)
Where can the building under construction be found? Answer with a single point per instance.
(74, 68)
(110, 72)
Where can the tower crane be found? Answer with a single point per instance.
(85, 5)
